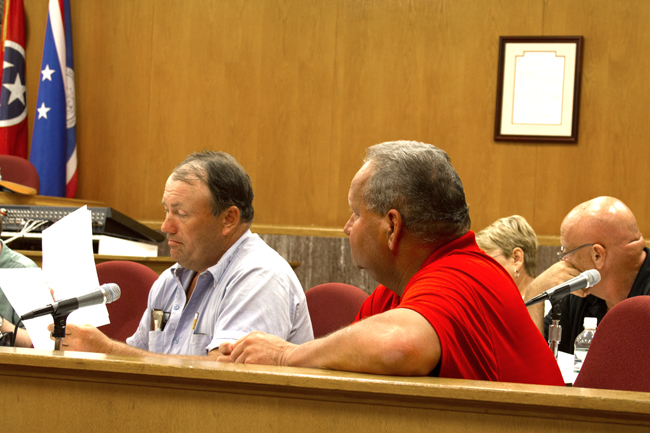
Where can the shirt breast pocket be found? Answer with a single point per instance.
(199, 344)
(156, 342)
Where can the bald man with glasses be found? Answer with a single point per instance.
(600, 234)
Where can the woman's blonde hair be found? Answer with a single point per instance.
(508, 233)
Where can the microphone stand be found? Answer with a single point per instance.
(59, 329)
(555, 330)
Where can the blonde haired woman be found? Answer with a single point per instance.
(513, 243)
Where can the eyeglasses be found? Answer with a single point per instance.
(562, 255)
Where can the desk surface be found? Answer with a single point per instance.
(59, 388)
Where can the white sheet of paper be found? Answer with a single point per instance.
(565, 361)
(26, 291)
(69, 264)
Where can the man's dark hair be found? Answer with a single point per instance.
(418, 180)
(228, 182)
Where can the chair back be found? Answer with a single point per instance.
(19, 170)
(619, 355)
(333, 306)
(135, 281)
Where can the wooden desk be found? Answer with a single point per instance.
(68, 391)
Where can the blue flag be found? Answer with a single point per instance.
(53, 150)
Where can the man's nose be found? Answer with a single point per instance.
(347, 227)
(167, 225)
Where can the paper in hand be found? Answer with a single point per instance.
(69, 264)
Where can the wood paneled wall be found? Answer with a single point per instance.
(297, 89)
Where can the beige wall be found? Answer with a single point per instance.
(296, 90)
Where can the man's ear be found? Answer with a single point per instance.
(598, 256)
(395, 222)
(230, 218)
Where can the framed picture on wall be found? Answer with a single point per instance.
(538, 88)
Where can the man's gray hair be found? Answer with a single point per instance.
(228, 182)
(418, 180)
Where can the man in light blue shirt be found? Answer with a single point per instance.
(227, 282)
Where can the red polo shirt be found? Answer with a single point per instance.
(474, 306)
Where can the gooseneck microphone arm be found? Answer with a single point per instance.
(104, 294)
(583, 281)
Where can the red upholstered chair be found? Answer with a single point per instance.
(19, 170)
(333, 306)
(135, 281)
(619, 355)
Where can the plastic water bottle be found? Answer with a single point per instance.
(582, 343)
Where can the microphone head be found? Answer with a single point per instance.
(593, 277)
(111, 291)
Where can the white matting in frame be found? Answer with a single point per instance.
(539, 90)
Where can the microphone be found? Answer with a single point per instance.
(583, 281)
(104, 294)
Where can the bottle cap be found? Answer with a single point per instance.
(590, 322)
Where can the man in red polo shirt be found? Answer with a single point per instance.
(444, 308)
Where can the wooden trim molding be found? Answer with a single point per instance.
(268, 229)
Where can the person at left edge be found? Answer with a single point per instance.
(8, 316)
(228, 275)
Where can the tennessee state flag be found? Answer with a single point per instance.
(13, 97)
(54, 147)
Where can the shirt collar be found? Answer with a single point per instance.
(642, 276)
(467, 242)
(218, 269)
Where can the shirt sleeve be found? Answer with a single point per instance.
(446, 301)
(256, 299)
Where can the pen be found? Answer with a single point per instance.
(196, 318)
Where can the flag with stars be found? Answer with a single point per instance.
(54, 147)
(13, 97)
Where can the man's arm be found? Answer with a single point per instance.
(556, 274)
(87, 338)
(254, 296)
(22, 337)
(397, 342)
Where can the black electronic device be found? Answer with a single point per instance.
(105, 221)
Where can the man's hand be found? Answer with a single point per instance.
(224, 349)
(84, 338)
(256, 348)
(555, 275)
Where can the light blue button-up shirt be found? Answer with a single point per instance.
(252, 288)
